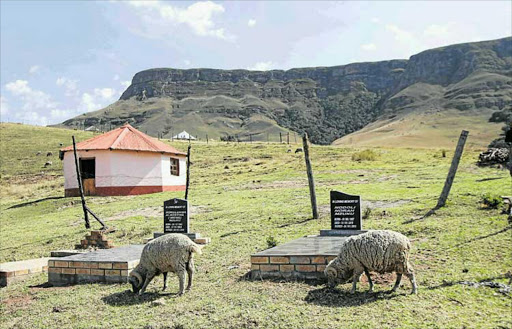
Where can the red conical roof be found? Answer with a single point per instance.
(124, 138)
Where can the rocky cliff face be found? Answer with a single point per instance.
(326, 102)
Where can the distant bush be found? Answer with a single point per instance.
(366, 155)
(271, 242)
(492, 201)
(367, 213)
(443, 153)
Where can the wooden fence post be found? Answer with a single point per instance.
(288, 138)
(280, 138)
(312, 192)
(80, 188)
(188, 172)
(453, 169)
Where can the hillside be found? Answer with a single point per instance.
(472, 79)
(263, 193)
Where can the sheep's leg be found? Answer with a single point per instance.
(165, 281)
(355, 279)
(181, 276)
(149, 277)
(190, 271)
(370, 282)
(397, 282)
(410, 275)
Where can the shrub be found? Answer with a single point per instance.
(366, 155)
(492, 201)
(443, 153)
(367, 213)
(271, 242)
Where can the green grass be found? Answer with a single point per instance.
(243, 194)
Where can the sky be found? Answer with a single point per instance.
(59, 59)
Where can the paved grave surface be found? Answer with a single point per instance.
(13, 271)
(304, 258)
(103, 265)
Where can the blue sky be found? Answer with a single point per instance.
(63, 58)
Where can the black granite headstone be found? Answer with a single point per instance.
(176, 216)
(345, 211)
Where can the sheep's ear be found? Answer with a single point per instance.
(332, 272)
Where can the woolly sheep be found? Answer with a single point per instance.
(168, 253)
(379, 251)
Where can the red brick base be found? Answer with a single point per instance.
(126, 190)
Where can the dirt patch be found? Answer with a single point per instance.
(382, 279)
(325, 209)
(384, 204)
(18, 302)
(152, 212)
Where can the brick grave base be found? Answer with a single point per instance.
(13, 271)
(103, 265)
(304, 258)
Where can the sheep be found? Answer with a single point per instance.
(168, 253)
(379, 251)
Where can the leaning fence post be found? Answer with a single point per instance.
(80, 188)
(453, 169)
(310, 177)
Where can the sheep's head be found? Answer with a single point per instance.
(136, 281)
(335, 275)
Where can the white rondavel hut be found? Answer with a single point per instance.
(124, 161)
(184, 135)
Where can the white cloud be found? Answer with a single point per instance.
(369, 47)
(400, 35)
(32, 99)
(436, 30)
(126, 83)
(34, 102)
(18, 87)
(116, 77)
(105, 93)
(375, 20)
(99, 98)
(4, 107)
(34, 69)
(69, 85)
(251, 22)
(262, 66)
(187, 62)
(158, 19)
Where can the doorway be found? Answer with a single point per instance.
(88, 172)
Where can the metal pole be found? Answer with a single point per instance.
(453, 169)
(79, 178)
(311, 182)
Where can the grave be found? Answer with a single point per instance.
(103, 265)
(177, 220)
(307, 257)
(13, 271)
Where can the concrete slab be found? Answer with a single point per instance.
(307, 246)
(303, 258)
(13, 271)
(103, 265)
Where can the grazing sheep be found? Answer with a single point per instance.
(379, 251)
(168, 253)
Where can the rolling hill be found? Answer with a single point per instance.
(421, 101)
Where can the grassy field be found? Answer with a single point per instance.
(241, 194)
